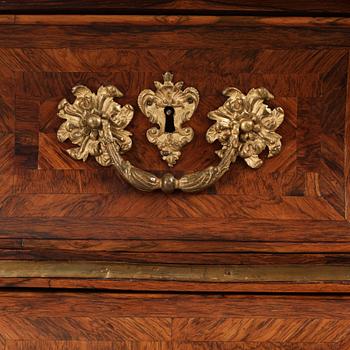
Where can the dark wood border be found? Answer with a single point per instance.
(277, 7)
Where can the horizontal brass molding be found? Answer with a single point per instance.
(174, 272)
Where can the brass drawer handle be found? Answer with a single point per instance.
(244, 125)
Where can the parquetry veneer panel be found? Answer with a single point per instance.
(305, 182)
(301, 196)
(106, 321)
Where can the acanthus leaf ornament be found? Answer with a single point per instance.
(244, 125)
(85, 119)
(169, 106)
(248, 123)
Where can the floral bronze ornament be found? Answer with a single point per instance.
(252, 123)
(244, 126)
(86, 119)
(169, 107)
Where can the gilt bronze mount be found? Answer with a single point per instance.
(169, 107)
(244, 126)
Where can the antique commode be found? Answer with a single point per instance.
(174, 175)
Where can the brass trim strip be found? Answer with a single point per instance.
(172, 272)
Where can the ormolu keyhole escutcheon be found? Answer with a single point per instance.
(169, 106)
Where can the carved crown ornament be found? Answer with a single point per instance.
(96, 124)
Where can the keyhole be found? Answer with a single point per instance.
(169, 119)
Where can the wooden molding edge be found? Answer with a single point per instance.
(173, 20)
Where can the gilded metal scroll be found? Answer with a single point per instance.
(244, 126)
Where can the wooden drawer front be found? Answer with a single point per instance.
(55, 207)
(108, 321)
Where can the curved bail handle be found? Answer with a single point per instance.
(244, 126)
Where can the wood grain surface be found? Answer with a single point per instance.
(62, 321)
(300, 7)
(294, 210)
